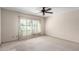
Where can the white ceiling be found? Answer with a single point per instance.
(36, 10)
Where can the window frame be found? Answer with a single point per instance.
(30, 25)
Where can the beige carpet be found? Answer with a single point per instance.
(43, 43)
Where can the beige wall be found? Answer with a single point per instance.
(10, 24)
(65, 26)
(0, 25)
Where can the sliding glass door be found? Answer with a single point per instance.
(29, 27)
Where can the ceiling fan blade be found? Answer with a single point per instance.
(48, 9)
(50, 12)
(37, 12)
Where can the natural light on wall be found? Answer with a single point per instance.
(29, 27)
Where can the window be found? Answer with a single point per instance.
(36, 27)
(29, 27)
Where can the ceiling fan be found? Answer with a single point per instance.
(46, 10)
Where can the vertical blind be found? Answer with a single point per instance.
(29, 26)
